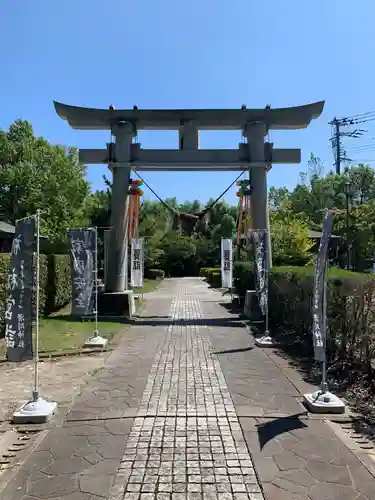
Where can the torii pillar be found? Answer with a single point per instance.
(255, 133)
(116, 279)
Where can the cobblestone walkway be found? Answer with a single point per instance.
(187, 439)
(186, 408)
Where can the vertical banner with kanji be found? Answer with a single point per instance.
(260, 242)
(319, 299)
(18, 307)
(136, 276)
(82, 248)
(226, 263)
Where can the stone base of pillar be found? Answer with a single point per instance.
(117, 304)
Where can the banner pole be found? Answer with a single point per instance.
(37, 306)
(96, 333)
(37, 410)
(267, 333)
(322, 400)
(96, 340)
(324, 311)
(260, 239)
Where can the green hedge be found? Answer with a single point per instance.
(350, 312)
(58, 283)
(205, 271)
(214, 278)
(55, 284)
(212, 275)
(243, 273)
(155, 274)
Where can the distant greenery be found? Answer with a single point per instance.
(36, 174)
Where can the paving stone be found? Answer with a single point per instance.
(328, 491)
(97, 485)
(63, 466)
(53, 487)
(288, 460)
(175, 412)
(181, 381)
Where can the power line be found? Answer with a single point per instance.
(361, 116)
(337, 124)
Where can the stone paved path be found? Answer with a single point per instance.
(187, 408)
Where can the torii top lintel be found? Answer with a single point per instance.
(82, 118)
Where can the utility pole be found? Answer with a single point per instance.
(337, 145)
(336, 139)
(338, 149)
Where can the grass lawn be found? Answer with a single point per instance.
(62, 334)
(148, 286)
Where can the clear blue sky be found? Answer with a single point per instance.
(187, 53)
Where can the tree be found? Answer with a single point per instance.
(179, 252)
(37, 175)
(278, 197)
(290, 241)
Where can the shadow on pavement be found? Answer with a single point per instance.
(103, 319)
(220, 322)
(273, 428)
(232, 351)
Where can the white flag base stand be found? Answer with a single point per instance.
(39, 411)
(324, 402)
(96, 341)
(265, 341)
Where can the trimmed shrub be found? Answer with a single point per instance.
(59, 283)
(350, 312)
(211, 275)
(244, 278)
(205, 271)
(43, 284)
(214, 278)
(156, 274)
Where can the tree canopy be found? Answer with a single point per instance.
(35, 174)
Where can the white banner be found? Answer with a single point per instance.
(226, 263)
(137, 263)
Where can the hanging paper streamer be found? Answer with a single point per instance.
(135, 194)
(243, 194)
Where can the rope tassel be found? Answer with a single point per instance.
(135, 194)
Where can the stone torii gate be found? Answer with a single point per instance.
(124, 156)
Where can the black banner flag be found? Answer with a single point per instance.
(18, 307)
(82, 248)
